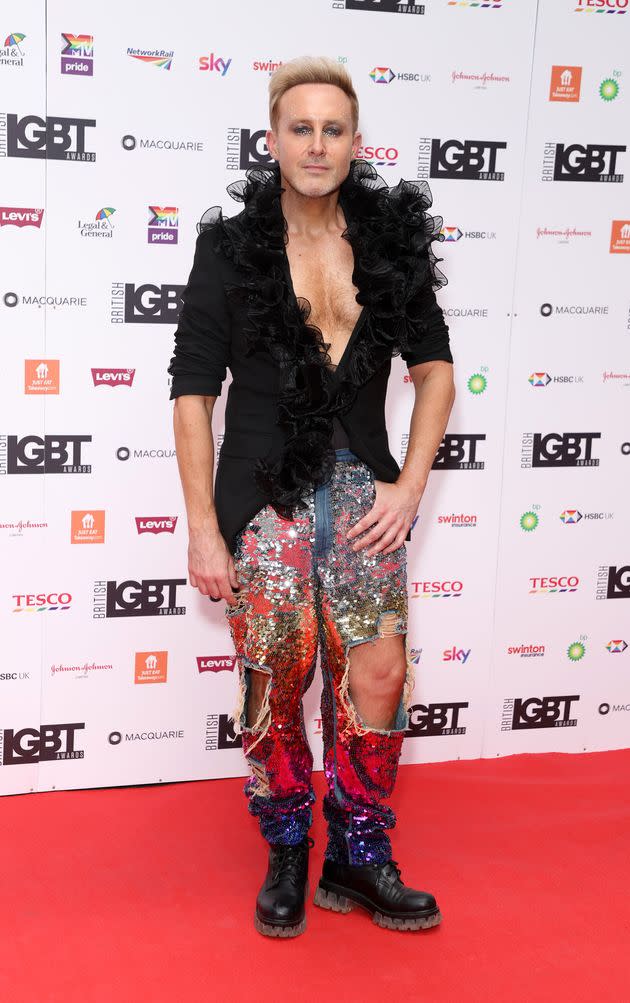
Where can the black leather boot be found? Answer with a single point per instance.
(280, 902)
(379, 889)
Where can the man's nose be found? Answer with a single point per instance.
(317, 143)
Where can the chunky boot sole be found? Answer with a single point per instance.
(277, 929)
(339, 900)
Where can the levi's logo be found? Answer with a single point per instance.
(216, 663)
(10, 216)
(156, 523)
(113, 377)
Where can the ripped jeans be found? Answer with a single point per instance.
(303, 587)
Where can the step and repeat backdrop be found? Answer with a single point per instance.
(116, 133)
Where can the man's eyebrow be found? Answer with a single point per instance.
(309, 121)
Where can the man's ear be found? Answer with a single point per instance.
(270, 139)
(357, 143)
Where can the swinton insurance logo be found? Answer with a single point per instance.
(145, 304)
(613, 582)
(163, 224)
(44, 744)
(460, 159)
(77, 55)
(55, 137)
(528, 713)
(216, 663)
(113, 377)
(559, 449)
(162, 58)
(47, 454)
(149, 597)
(459, 452)
(597, 162)
(14, 216)
(156, 524)
(436, 719)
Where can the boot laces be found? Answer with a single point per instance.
(288, 861)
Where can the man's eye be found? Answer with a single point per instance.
(333, 131)
(301, 129)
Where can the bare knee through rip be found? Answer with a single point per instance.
(377, 675)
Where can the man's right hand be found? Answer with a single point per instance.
(211, 566)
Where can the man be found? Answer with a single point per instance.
(306, 295)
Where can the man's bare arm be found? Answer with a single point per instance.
(210, 564)
(396, 505)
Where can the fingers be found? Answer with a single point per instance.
(382, 538)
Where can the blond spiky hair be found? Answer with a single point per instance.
(310, 70)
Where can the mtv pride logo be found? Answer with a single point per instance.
(156, 523)
(77, 55)
(216, 663)
(163, 224)
(113, 377)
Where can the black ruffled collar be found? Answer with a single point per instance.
(390, 232)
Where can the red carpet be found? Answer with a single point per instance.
(147, 893)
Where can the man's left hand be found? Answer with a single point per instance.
(389, 519)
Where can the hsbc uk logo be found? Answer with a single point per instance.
(613, 582)
(460, 159)
(385, 75)
(145, 304)
(544, 379)
(432, 719)
(559, 449)
(149, 597)
(45, 744)
(47, 454)
(459, 452)
(55, 137)
(529, 713)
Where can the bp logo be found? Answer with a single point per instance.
(477, 383)
(608, 89)
(576, 651)
(528, 521)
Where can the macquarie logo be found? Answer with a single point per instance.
(528, 713)
(435, 719)
(437, 590)
(44, 744)
(459, 452)
(588, 162)
(573, 310)
(77, 55)
(156, 524)
(48, 454)
(113, 377)
(11, 216)
(145, 304)
(116, 737)
(559, 449)
(460, 159)
(148, 597)
(55, 137)
(41, 376)
(220, 733)
(42, 602)
(613, 582)
(163, 225)
(150, 666)
(216, 663)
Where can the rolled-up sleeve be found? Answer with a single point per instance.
(202, 338)
(430, 339)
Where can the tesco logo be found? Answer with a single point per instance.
(382, 156)
(436, 590)
(42, 601)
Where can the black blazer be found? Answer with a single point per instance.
(239, 312)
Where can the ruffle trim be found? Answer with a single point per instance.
(390, 231)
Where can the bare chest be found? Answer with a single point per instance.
(322, 274)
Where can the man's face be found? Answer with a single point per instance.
(313, 140)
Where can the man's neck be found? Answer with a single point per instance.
(308, 216)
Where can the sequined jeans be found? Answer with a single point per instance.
(302, 587)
